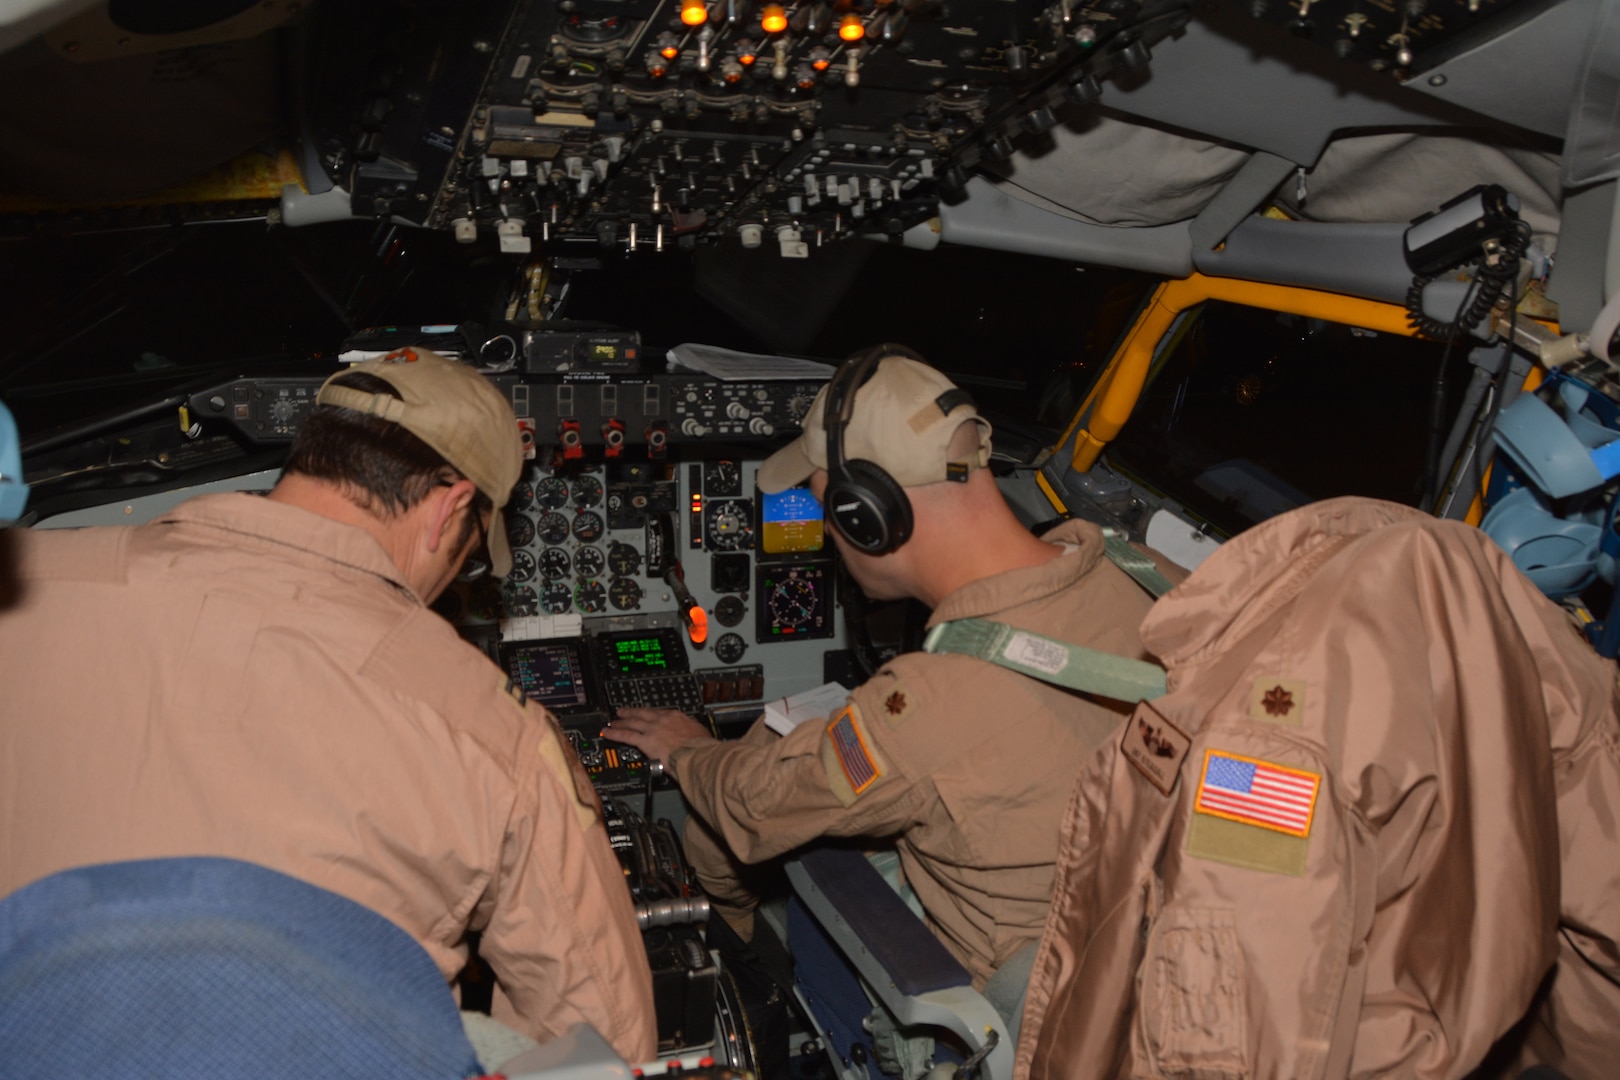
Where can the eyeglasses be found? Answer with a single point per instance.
(478, 564)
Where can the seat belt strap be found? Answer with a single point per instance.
(1049, 660)
(1119, 552)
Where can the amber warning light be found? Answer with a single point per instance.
(773, 20)
(694, 12)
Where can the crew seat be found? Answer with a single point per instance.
(209, 967)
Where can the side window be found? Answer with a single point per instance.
(1253, 412)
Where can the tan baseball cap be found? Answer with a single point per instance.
(457, 412)
(902, 420)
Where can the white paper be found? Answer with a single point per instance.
(730, 366)
(535, 627)
(785, 714)
(1178, 541)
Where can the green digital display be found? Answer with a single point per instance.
(640, 654)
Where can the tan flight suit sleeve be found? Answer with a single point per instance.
(561, 931)
(764, 795)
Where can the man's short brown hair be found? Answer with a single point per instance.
(377, 463)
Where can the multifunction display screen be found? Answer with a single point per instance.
(549, 672)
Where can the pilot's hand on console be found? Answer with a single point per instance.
(655, 732)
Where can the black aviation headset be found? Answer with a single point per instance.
(865, 504)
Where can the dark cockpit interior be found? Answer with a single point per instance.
(1175, 250)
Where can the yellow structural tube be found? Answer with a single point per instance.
(1111, 401)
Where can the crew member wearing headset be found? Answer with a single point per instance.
(966, 766)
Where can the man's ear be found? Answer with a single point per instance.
(443, 505)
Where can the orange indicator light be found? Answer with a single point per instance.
(773, 20)
(821, 64)
(850, 27)
(669, 52)
(694, 12)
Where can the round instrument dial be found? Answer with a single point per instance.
(589, 561)
(625, 594)
(587, 492)
(551, 493)
(556, 598)
(792, 602)
(730, 610)
(519, 530)
(590, 597)
(722, 478)
(553, 528)
(623, 560)
(520, 601)
(730, 648)
(522, 567)
(554, 563)
(731, 526)
(588, 526)
(522, 495)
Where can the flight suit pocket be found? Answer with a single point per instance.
(1193, 1018)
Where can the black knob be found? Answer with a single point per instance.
(1041, 120)
(1133, 56)
(1083, 91)
(1017, 58)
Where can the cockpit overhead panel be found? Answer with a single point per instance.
(652, 124)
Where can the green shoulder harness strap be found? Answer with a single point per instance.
(1119, 552)
(1057, 662)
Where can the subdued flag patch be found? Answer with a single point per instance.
(859, 768)
(1255, 792)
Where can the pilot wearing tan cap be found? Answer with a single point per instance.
(966, 765)
(261, 679)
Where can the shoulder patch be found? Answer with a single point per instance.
(1155, 746)
(1255, 792)
(851, 749)
(1277, 701)
(1254, 814)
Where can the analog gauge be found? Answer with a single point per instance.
(553, 528)
(554, 563)
(589, 561)
(625, 594)
(556, 598)
(522, 567)
(623, 560)
(590, 597)
(722, 478)
(730, 648)
(731, 525)
(522, 495)
(792, 603)
(587, 526)
(587, 492)
(520, 601)
(519, 530)
(730, 610)
(551, 493)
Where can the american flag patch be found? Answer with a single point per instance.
(1257, 792)
(847, 743)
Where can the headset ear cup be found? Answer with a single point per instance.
(868, 508)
